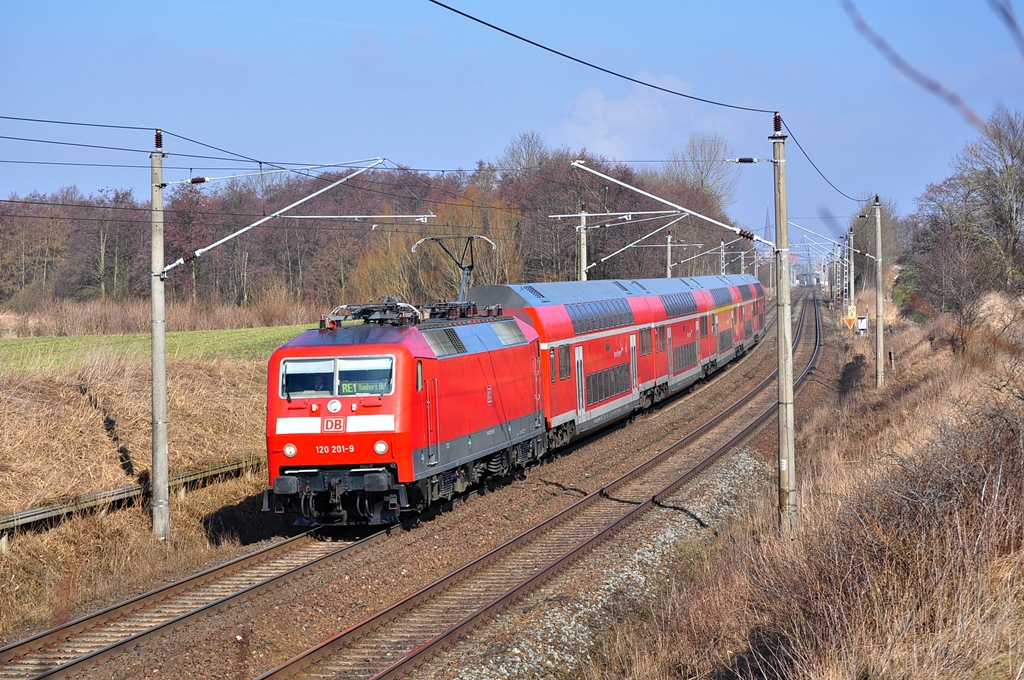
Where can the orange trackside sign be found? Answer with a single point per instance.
(849, 322)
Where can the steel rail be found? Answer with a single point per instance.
(432, 647)
(129, 492)
(445, 585)
(84, 633)
(85, 625)
(132, 492)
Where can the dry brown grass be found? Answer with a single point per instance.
(68, 429)
(91, 561)
(66, 432)
(909, 561)
(67, 317)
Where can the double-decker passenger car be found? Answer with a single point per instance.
(388, 408)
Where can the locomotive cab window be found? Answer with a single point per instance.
(307, 378)
(347, 377)
(365, 376)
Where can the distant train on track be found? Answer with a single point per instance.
(387, 408)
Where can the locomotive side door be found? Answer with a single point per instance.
(433, 423)
(538, 406)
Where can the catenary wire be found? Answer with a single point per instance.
(639, 82)
(283, 165)
(827, 180)
(68, 122)
(595, 66)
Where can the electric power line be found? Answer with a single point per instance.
(595, 66)
(638, 82)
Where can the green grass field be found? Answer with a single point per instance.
(31, 354)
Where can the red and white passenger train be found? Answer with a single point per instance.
(387, 408)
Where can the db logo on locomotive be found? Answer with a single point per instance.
(333, 425)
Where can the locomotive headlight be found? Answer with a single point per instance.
(290, 450)
(380, 448)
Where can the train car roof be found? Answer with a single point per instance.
(355, 334)
(520, 295)
(463, 336)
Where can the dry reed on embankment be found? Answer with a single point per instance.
(62, 317)
(72, 427)
(92, 561)
(66, 431)
(908, 561)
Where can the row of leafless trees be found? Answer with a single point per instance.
(964, 240)
(68, 245)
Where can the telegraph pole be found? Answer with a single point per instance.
(159, 479)
(668, 260)
(787, 456)
(834, 278)
(852, 281)
(583, 244)
(879, 341)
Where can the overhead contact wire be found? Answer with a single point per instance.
(595, 66)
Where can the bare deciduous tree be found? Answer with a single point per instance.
(993, 167)
(703, 165)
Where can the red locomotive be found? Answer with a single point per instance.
(387, 408)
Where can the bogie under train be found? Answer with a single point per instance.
(387, 409)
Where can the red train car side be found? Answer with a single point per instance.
(369, 420)
(404, 408)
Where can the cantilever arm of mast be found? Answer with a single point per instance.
(608, 257)
(844, 245)
(199, 253)
(736, 230)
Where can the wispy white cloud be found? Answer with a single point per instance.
(642, 121)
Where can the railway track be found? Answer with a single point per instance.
(79, 644)
(398, 639)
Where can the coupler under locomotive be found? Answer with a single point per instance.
(362, 495)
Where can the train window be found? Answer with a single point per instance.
(590, 317)
(359, 376)
(419, 375)
(307, 378)
(661, 338)
(551, 358)
(564, 363)
(645, 341)
(574, 317)
(704, 326)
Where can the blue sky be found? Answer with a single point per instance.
(320, 82)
